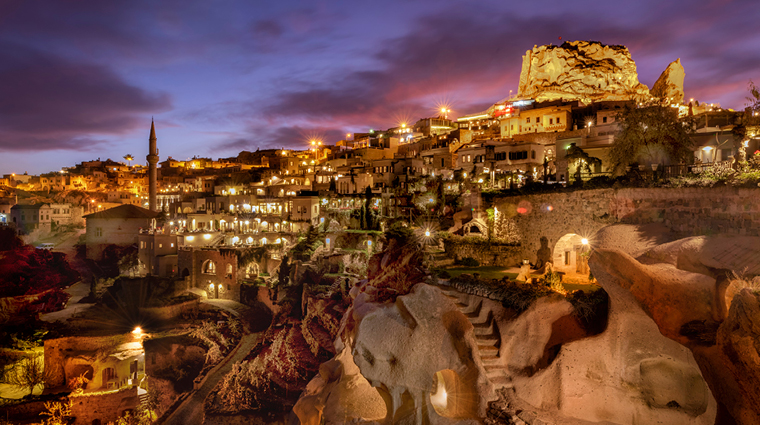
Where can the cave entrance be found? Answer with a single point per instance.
(452, 397)
(571, 254)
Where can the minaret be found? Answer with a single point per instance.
(152, 161)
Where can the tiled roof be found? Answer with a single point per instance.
(124, 211)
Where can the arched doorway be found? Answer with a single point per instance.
(571, 254)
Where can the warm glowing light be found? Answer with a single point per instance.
(707, 148)
(190, 238)
(427, 233)
(584, 241)
(137, 331)
(206, 236)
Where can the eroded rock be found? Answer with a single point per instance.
(580, 70)
(670, 83)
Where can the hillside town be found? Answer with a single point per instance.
(263, 286)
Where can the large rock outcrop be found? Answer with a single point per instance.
(410, 361)
(670, 84)
(687, 287)
(580, 70)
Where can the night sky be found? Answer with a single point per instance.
(81, 79)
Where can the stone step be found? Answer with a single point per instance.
(482, 330)
(460, 305)
(502, 382)
(480, 319)
(491, 361)
(488, 350)
(473, 313)
(487, 340)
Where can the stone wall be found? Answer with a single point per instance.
(686, 212)
(106, 407)
(226, 284)
(486, 254)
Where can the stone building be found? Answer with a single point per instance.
(157, 253)
(116, 226)
(114, 366)
(214, 270)
(29, 218)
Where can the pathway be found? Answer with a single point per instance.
(486, 336)
(190, 412)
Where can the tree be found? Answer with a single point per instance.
(581, 160)
(651, 133)
(28, 373)
(366, 211)
(129, 157)
(333, 186)
(754, 97)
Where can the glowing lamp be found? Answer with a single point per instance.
(427, 233)
(584, 241)
(137, 331)
(206, 236)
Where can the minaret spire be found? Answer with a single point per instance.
(152, 161)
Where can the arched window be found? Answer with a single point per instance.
(229, 270)
(209, 267)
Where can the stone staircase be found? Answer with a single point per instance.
(486, 336)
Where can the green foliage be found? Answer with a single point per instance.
(581, 160)
(250, 255)
(283, 274)
(305, 247)
(401, 233)
(651, 133)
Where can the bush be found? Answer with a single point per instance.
(469, 262)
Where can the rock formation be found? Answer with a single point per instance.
(670, 84)
(411, 361)
(580, 70)
(687, 288)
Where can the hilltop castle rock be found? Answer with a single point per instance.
(588, 71)
(670, 83)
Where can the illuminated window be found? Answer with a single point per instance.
(208, 267)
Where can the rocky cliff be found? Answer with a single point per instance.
(670, 84)
(580, 70)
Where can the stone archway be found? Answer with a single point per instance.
(571, 254)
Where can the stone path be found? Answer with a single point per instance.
(486, 335)
(190, 412)
(77, 291)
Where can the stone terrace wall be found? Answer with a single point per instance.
(494, 255)
(687, 212)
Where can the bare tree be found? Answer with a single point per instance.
(28, 373)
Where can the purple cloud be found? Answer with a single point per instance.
(54, 103)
